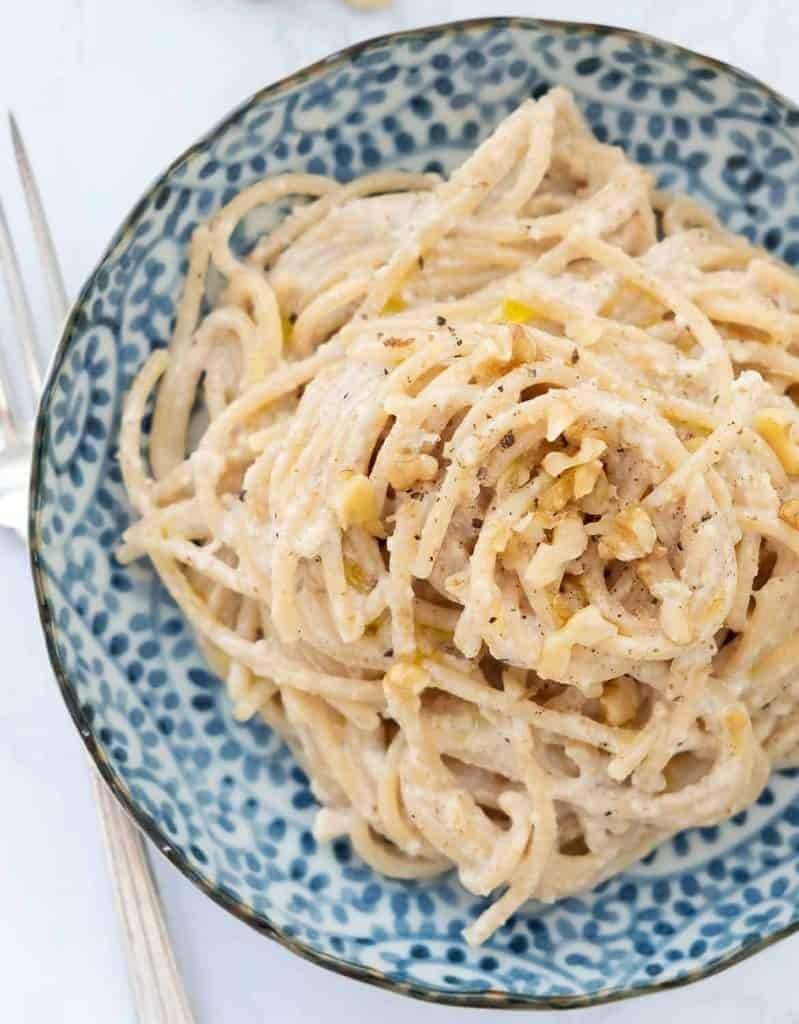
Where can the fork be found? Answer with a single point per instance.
(159, 996)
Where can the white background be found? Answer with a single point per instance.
(107, 92)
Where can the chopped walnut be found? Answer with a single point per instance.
(550, 559)
(557, 463)
(560, 417)
(354, 500)
(619, 700)
(631, 535)
(585, 627)
(410, 468)
(789, 513)
(674, 596)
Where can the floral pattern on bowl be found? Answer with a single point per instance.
(225, 802)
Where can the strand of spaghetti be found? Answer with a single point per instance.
(254, 655)
(183, 517)
(396, 824)
(391, 864)
(323, 314)
(601, 214)
(782, 327)
(536, 160)
(774, 530)
(400, 595)
(542, 842)
(204, 561)
(694, 318)
(261, 193)
(748, 553)
(708, 453)
(208, 461)
(769, 356)
(574, 727)
(247, 292)
(239, 677)
(304, 217)
(137, 480)
(174, 401)
(454, 199)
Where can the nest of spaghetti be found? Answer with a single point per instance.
(493, 509)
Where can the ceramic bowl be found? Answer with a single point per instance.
(226, 803)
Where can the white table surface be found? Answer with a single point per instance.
(107, 92)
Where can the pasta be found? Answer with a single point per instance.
(484, 492)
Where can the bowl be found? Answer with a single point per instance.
(225, 803)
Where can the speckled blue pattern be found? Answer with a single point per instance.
(226, 802)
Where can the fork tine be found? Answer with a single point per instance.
(20, 306)
(54, 280)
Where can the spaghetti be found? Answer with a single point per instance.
(491, 507)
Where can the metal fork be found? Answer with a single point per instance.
(158, 993)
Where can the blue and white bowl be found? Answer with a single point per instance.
(226, 803)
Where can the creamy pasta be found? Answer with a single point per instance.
(484, 492)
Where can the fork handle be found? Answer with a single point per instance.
(158, 993)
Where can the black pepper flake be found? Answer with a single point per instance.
(508, 440)
(492, 620)
(417, 536)
(575, 357)
(441, 320)
(242, 495)
(420, 261)
(416, 495)
(292, 318)
(707, 516)
(389, 653)
(455, 335)
(477, 524)
(501, 388)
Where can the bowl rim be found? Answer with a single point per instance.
(484, 999)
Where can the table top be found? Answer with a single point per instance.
(107, 92)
